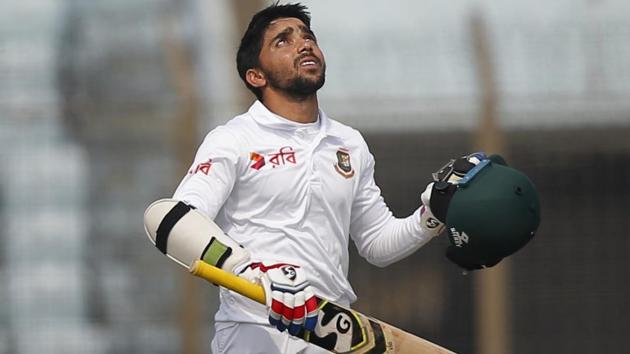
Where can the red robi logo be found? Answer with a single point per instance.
(203, 167)
(284, 156)
(258, 161)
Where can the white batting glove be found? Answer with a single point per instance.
(290, 298)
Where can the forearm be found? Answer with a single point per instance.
(396, 239)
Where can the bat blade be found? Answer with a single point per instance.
(339, 329)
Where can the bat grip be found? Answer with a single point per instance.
(228, 280)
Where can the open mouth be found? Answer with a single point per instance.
(308, 62)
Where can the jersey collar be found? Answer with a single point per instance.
(263, 116)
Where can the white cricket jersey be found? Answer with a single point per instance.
(293, 193)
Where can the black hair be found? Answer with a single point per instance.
(248, 53)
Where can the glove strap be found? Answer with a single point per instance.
(440, 198)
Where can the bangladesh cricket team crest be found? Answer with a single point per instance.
(343, 166)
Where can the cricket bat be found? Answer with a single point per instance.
(195, 242)
(339, 330)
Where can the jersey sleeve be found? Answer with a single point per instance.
(380, 237)
(212, 174)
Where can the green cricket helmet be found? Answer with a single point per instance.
(493, 213)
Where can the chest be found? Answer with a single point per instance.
(289, 173)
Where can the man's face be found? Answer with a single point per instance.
(290, 58)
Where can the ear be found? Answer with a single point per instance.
(255, 77)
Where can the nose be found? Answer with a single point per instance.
(305, 46)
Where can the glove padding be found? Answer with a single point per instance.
(290, 298)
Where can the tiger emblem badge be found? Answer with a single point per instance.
(343, 165)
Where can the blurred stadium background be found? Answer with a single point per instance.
(102, 104)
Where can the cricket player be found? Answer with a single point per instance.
(292, 186)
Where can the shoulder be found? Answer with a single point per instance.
(228, 139)
(231, 132)
(348, 134)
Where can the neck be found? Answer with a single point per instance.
(298, 109)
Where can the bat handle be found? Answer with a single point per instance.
(228, 280)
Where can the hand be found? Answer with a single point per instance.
(438, 193)
(428, 221)
(290, 298)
